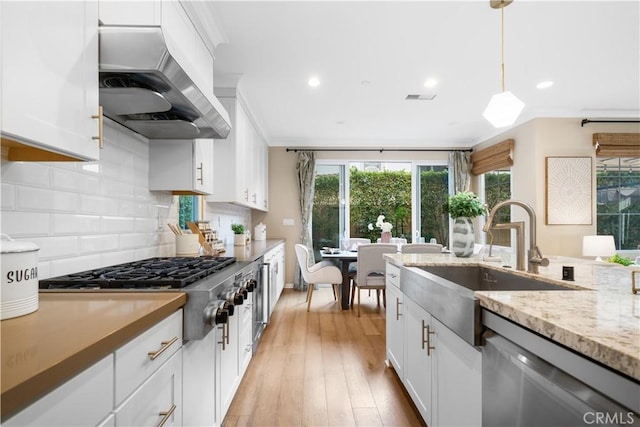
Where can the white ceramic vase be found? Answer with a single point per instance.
(463, 237)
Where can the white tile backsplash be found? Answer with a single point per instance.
(86, 215)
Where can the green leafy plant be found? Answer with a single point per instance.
(237, 228)
(465, 204)
(626, 261)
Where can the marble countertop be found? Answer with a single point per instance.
(601, 319)
(252, 251)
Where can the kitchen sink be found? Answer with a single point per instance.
(484, 279)
(448, 293)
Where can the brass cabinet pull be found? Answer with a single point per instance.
(201, 179)
(166, 415)
(100, 118)
(427, 340)
(165, 345)
(398, 314)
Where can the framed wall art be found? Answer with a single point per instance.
(568, 190)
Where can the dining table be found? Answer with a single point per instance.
(344, 258)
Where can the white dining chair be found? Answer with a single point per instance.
(421, 248)
(317, 273)
(371, 270)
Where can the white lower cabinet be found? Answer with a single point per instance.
(395, 329)
(439, 370)
(84, 400)
(158, 401)
(138, 384)
(227, 366)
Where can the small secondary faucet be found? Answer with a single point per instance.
(534, 255)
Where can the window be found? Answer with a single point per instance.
(351, 195)
(328, 215)
(187, 210)
(432, 189)
(618, 200)
(497, 187)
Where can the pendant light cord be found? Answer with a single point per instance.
(502, 41)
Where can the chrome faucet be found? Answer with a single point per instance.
(534, 255)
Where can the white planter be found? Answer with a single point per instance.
(239, 240)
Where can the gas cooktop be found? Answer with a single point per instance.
(171, 272)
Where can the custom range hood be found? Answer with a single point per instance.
(145, 89)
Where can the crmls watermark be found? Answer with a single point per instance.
(608, 418)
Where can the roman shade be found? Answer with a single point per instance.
(496, 157)
(617, 144)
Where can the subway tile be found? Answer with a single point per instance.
(61, 267)
(26, 173)
(116, 224)
(8, 199)
(98, 205)
(19, 224)
(73, 224)
(99, 243)
(117, 257)
(56, 247)
(44, 199)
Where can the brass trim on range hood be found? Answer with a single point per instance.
(145, 89)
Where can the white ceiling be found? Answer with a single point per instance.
(590, 49)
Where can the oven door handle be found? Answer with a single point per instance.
(266, 316)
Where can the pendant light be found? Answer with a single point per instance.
(504, 108)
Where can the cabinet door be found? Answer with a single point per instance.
(457, 379)
(203, 166)
(418, 371)
(227, 369)
(49, 78)
(158, 399)
(85, 400)
(395, 329)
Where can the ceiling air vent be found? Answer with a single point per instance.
(422, 97)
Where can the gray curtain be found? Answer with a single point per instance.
(305, 169)
(459, 163)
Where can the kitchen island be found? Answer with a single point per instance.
(69, 333)
(601, 319)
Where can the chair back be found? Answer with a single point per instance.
(371, 262)
(354, 242)
(302, 253)
(421, 248)
(395, 240)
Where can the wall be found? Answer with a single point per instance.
(534, 141)
(85, 215)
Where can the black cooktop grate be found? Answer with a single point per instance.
(171, 272)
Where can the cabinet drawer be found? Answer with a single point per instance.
(133, 361)
(393, 275)
(158, 397)
(84, 400)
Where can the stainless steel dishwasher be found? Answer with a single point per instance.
(554, 387)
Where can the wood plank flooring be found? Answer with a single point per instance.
(322, 368)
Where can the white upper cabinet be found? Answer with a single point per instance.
(49, 75)
(240, 160)
(181, 167)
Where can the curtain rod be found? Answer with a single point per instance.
(587, 121)
(295, 150)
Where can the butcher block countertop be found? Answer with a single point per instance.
(67, 334)
(600, 320)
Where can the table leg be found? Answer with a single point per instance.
(346, 284)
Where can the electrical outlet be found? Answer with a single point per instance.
(288, 221)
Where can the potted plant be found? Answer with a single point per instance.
(239, 238)
(463, 207)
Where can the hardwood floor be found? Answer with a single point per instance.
(322, 368)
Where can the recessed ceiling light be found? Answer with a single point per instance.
(314, 81)
(365, 83)
(430, 83)
(544, 85)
